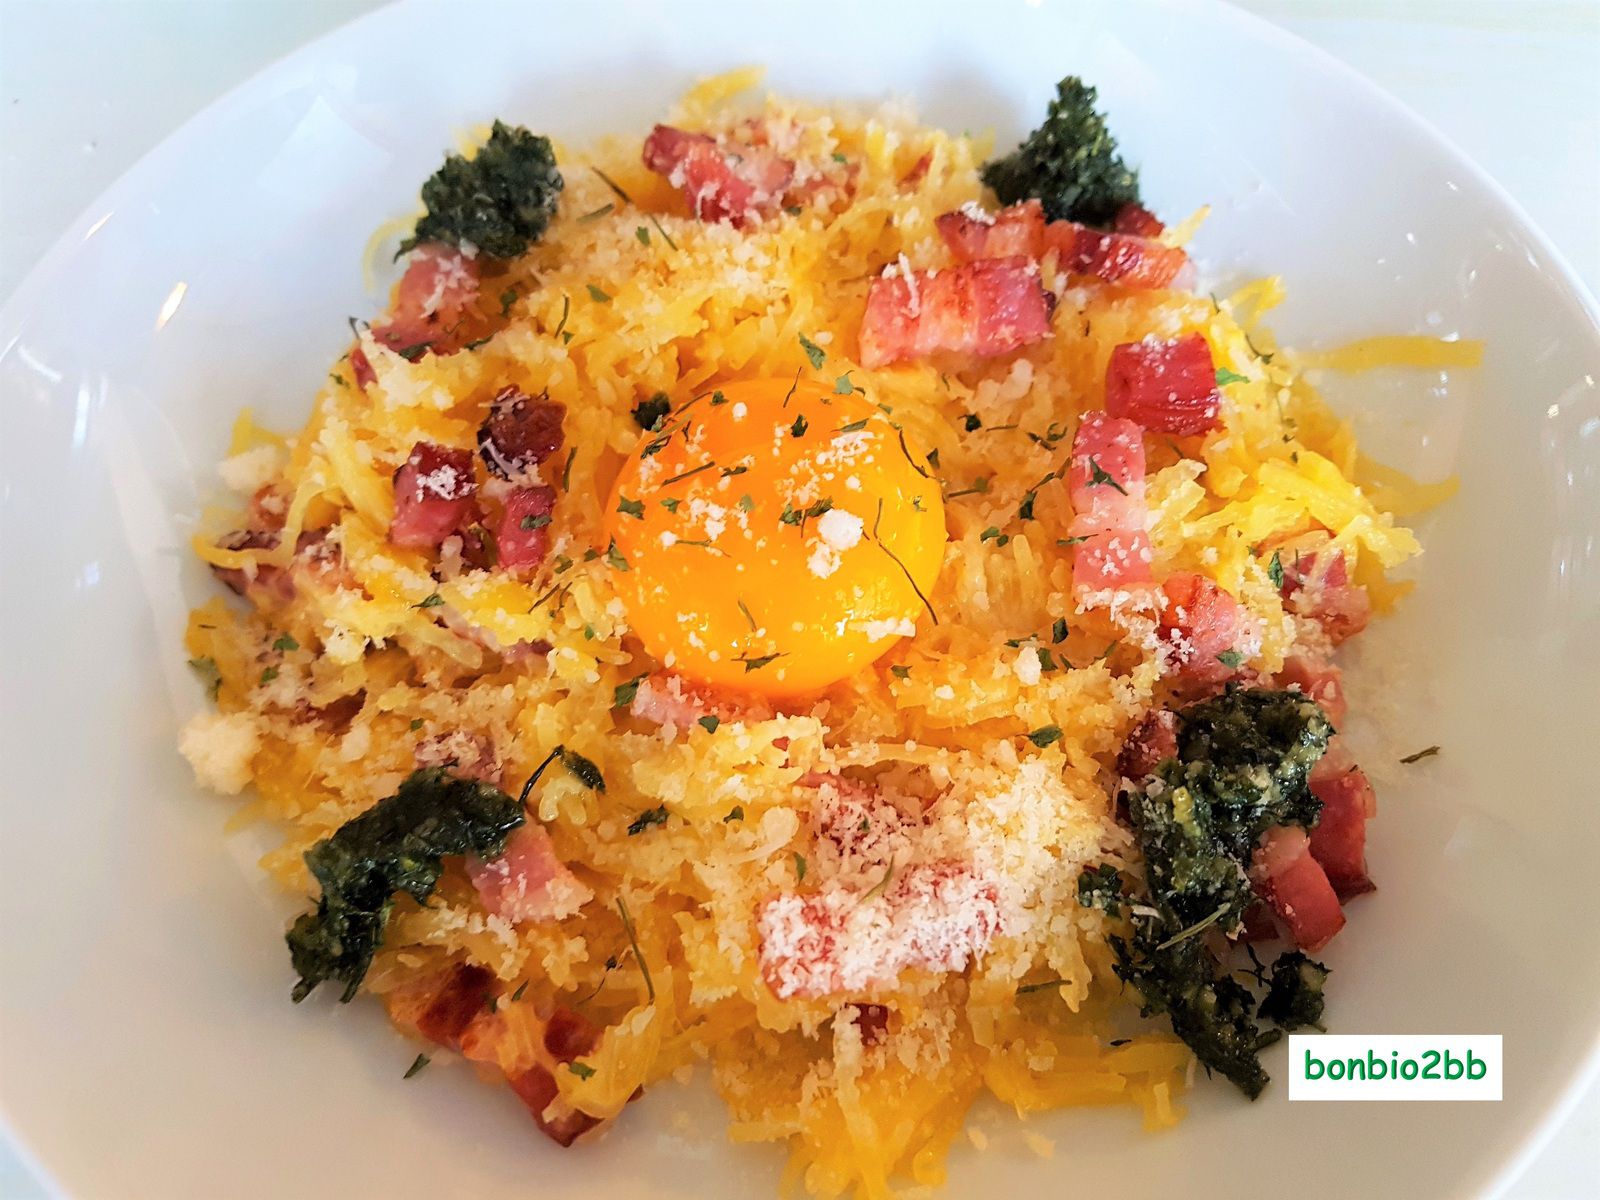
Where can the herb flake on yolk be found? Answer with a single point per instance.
(789, 536)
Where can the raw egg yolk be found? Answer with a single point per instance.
(777, 536)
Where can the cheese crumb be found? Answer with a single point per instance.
(840, 529)
(220, 747)
(251, 470)
(1039, 1144)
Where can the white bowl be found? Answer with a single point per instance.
(148, 1044)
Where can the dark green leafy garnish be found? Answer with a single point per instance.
(736, 813)
(396, 846)
(1045, 735)
(1070, 163)
(709, 723)
(1225, 377)
(814, 352)
(1231, 659)
(581, 1070)
(417, 1064)
(535, 521)
(799, 867)
(285, 643)
(800, 426)
(1241, 768)
(1294, 997)
(632, 508)
(432, 600)
(501, 200)
(599, 295)
(1429, 752)
(648, 414)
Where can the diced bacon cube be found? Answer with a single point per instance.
(1105, 475)
(528, 882)
(520, 432)
(1318, 679)
(459, 998)
(671, 700)
(433, 494)
(433, 305)
(537, 1089)
(1316, 585)
(1120, 258)
(523, 538)
(722, 181)
(1296, 886)
(1170, 386)
(1339, 840)
(984, 309)
(569, 1035)
(1199, 622)
(1111, 562)
(973, 234)
(1152, 742)
(1137, 220)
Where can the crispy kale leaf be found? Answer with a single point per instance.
(1070, 163)
(1294, 997)
(1243, 759)
(500, 200)
(396, 846)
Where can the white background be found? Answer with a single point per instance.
(88, 86)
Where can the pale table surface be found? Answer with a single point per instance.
(88, 86)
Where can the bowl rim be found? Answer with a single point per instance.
(1549, 1113)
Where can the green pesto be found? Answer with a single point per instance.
(1294, 997)
(1241, 768)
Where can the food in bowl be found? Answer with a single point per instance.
(808, 596)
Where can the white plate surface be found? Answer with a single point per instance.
(147, 1047)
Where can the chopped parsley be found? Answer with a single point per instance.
(649, 817)
(853, 426)
(581, 769)
(417, 1064)
(736, 813)
(900, 671)
(633, 508)
(1225, 377)
(534, 521)
(581, 1070)
(433, 600)
(268, 676)
(209, 673)
(843, 387)
(1275, 571)
(643, 235)
(614, 558)
(622, 695)
(814, 352)
(755, 664)
(1058, 631)
(1429, 752)
(800, 426)
(799, 867)
(1045, 735)
(1098, 477)
(709, 722)
(285, 643)
(649, 414)
(1232, 659)
(598, 295)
